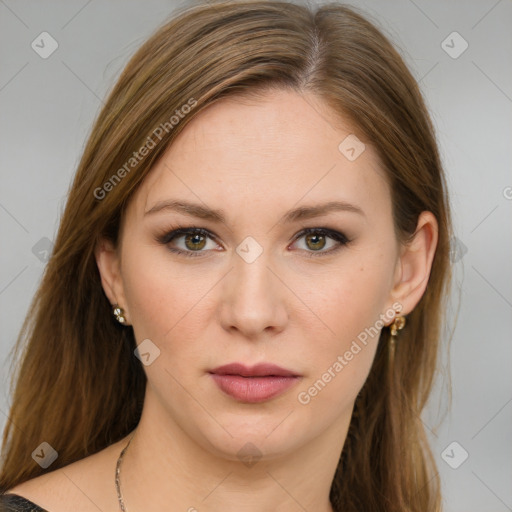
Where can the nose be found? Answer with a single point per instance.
(254, 298)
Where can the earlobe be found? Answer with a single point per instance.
(415, 263)
(107, 260)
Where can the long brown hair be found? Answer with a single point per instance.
(78, 385)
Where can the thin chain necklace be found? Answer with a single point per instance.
(118, 477)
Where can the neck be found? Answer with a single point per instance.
(166, 468)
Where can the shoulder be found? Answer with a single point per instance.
(47, 492)
(17, 503)
(83, 486)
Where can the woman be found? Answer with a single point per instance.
(244, 302)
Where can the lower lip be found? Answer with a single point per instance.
(253, 389)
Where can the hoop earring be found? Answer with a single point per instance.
(119, 314)
(397, 325)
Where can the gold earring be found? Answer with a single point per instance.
(397, 324)
(119, 314)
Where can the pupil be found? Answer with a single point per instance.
(319, 238)
(196, 239)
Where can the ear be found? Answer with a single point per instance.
(109, 266)
(414, 264)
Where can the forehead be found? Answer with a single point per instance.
(271, 150)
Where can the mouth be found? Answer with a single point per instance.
(254, 384)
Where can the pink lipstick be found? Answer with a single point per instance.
(253, 384)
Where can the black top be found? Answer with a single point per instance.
(15, 503)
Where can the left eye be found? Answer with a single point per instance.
(316, 239)
(195, 240)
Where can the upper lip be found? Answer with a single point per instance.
(258, 370)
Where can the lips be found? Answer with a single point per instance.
(254, 384)
(259, 370)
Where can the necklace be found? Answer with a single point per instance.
(118, 477)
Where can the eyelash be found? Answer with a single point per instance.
(169, 236)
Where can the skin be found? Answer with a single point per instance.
(255, 160)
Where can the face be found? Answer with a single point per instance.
(304, 292)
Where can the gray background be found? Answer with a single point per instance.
(47, 107)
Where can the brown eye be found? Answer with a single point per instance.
(315, 241)
(188, 241)
(195, 242)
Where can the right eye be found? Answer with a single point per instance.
(194, 240)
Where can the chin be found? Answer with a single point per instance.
(253, 438)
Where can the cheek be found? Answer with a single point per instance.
(170, 304)
(349, 320)
(348, 301)
(157, 294)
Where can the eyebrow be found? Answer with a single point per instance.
(218, 216)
